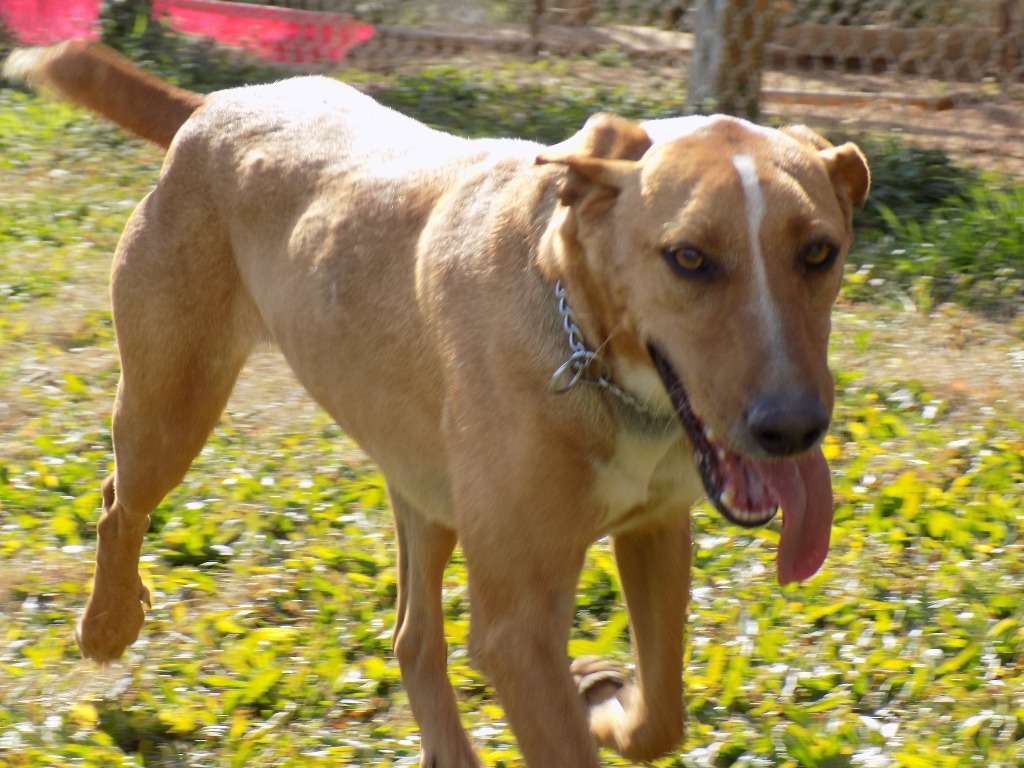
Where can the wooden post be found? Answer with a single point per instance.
(728, 56)
(536, 26)
(1010, 21)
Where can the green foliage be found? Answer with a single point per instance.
(912, 180)
(192, 62)
(969, 250)
(272, 566)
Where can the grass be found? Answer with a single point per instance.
(272, 568)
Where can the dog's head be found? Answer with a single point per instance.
(708, 252)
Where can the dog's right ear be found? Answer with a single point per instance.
(846, 165)
(601, 154)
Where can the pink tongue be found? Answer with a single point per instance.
(804, 489)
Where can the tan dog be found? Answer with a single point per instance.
(539, 346)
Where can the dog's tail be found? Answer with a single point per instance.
(105, 82)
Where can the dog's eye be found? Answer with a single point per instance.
(687, 261)
(819, 256)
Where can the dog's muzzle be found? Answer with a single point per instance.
(750, 492)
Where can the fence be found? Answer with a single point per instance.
(948, 72)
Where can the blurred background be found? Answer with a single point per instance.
(949, 73)
(272, 567)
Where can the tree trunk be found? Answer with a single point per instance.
(728, 56)
(1010, 21)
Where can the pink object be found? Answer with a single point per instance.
(275, 34)
(44, 22)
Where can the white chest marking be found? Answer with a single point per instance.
(753, 197)
(647, 477)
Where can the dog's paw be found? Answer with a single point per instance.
(597, 679)
(108, 626)
(618, 719)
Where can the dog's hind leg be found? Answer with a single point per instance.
(183, 334)
(645, 721)
(423, 551)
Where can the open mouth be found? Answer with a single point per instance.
(749, 492)
(734, 485)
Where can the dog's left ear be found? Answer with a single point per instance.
(846, 165)
(602, 155)
(848, 169)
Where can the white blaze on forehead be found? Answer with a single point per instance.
(753, 198)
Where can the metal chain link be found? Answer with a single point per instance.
(577, 367)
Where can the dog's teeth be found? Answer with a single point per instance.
(728, 496)
(709, 433)
(764, 515)
(721, 454)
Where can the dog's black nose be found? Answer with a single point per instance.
(786, 424)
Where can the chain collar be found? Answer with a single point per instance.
(583, 365)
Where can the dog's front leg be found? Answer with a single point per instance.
(524, 541)
(644, 721)
(522, 610)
